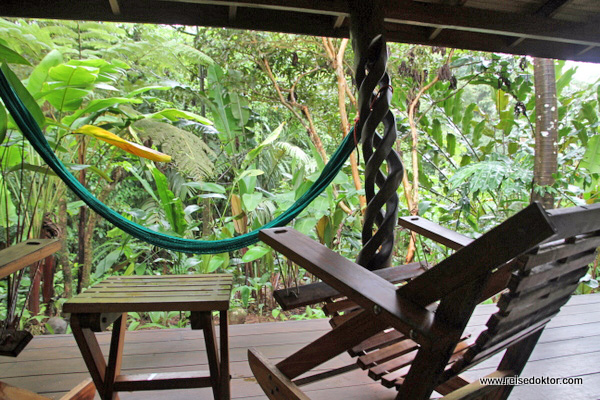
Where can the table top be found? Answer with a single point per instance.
(119, 294)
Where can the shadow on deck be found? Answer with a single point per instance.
(51, 365)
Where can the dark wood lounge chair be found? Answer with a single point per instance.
(535, 258)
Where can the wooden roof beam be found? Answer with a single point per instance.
(444, 16)
(330, 7)
(431, 15)
(339, 21)
(114, 6)
(232, 13)
(551, 7)
(468, 19)
(492, 43)
(548, 10)
(179, 12)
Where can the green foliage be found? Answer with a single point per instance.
(190, 154)
(490, 176)
(163, 86)
(24, 95)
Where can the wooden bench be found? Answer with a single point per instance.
(14, 259)
(109, 302)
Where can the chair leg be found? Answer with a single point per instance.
(514, 359)
(91, 352)
(224, 386)
(424, 374)
(115, 355)
(276, 385)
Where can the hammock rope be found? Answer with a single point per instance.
(32, 131)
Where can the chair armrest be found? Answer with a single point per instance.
(319, 292)
(436, 232)
(84, 391)
(371, 292)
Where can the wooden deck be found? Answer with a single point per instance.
(569, 347)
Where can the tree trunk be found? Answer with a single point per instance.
(337, 61)
(63, 255)
(291, 105)
(86, 267)
(412, 191)
(546, 131)
(33, 301)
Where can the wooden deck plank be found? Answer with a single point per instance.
(570, 346)
(179, 340)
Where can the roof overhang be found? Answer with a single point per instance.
(563, 29)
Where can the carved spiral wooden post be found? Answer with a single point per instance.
(383, 167)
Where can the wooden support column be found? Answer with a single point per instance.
(366, 22)
(376, 130)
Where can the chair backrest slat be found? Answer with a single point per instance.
(574, 221)
(550, 272)
(530, 311)
(552, 290)
(560, 250)
(543, 281)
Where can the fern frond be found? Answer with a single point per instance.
(294, 152)
(190, 154)
(60, 31)
(189, 53)
(97, 35)
(110, 28)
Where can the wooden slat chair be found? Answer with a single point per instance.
(537, 257)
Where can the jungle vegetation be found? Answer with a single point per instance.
(249, 119)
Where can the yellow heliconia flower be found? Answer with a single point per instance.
(130, 147)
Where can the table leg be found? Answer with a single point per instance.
(115, 355)
(224, 347)
(204, 320)
(91, 352)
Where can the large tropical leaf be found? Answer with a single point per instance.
(130, 147)
(591, 162)
(69, 85)
(10, 56)
(173, 115)
(172, 205)
(225, 122)
(24, 95)
(96, 106)
(39, 75)
(145, 89)
(268, 140)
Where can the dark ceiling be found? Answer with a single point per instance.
(564, 29)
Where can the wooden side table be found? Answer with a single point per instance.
(110, 301)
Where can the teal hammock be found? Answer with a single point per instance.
(34, 134)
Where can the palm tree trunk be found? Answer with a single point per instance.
(546, 132)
